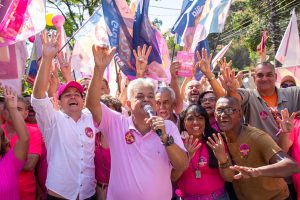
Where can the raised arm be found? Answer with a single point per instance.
(286, 126)
(102, 57)
(141, 60)
(65, 66)
(174, 85)
(228, 79)
(50, 49)
(21, 146)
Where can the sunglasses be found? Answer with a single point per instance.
(285, 85)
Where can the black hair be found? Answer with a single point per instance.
(208, 131)
(203, 94)
(114, 102)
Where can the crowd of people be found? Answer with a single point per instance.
(212, 139)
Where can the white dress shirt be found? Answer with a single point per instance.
(70, 150)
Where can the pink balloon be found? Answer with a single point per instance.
(58, 21)
(31, 39)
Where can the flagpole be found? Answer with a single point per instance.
(173, 50)
(77, 31)
(117, 77)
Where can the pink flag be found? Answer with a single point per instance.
(220, 55)
(12, 62)
(20, 19)
(289, 49)
(262, 45)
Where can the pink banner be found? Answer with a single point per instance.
(187, 60)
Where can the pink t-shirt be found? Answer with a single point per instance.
(214, 124)
(27, 183)
(10, 168)
(42, 166)
(210, 181)
(102, 162)
(295, 152)
(140, 166)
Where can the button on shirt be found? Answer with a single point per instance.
(140, 166)
(70, 150)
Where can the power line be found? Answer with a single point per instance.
(249, 19)
(161, 7)
(227, 33)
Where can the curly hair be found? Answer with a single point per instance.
(208, 130)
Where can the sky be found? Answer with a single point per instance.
(168, 16)
(168, 13)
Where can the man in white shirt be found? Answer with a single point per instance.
(69, 133)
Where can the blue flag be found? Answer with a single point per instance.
(119, 22)
(190, 15)
(202, 44)
(145, 33)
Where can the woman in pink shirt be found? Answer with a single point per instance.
(13, 160)
(102, 152)
(201, 180)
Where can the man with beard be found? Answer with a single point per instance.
(259, 163)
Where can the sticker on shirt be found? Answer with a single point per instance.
(263, 115)
(244, 150)
(89, 132)
(202, 161)
(129, 137)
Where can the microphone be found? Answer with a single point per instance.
(148, 109)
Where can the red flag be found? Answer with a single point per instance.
(262, 45)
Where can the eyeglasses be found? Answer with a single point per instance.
(227, 111)
(285, 85)
(203, 100)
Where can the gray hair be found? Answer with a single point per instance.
(167, 89)
(146, 82)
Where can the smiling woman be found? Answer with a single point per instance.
(201, 180)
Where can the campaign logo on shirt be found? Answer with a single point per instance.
(263, 115)
(129, 137)
(244, 150)
(202, 161)
(89, 132)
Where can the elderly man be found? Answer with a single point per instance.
(259, 161)
(141, 161)
(69, 133)
(261, 106)
(165, 104)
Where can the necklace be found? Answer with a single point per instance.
(197, 168)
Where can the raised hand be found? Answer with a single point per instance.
(204, 62)
(50, 45)
(65, 65)
(245, 172)
(141, 59)
(218, 147)
(103, 55)
(227, 78)
(174, 68)
(224, 64)
(286, 123)
(191, 145)
(10, 98)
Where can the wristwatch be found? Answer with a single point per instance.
(169, 141)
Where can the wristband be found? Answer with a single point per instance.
(211, 78)
(226, 164)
